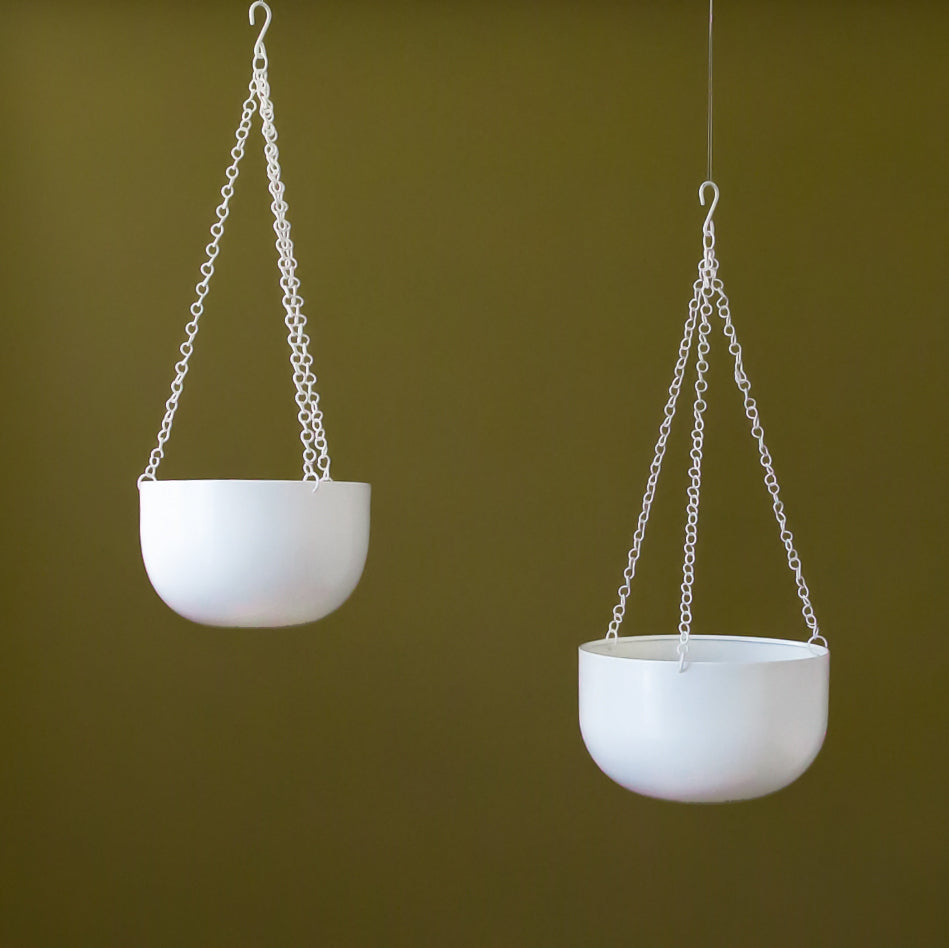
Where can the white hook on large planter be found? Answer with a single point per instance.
(711, 210)
(252, 16)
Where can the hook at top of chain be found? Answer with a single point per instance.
(708, 217)
(260, 51)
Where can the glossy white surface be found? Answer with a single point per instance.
(254, 553)
(745, 717)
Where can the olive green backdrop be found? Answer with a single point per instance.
(497, 224)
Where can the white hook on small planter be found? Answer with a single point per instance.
(252, 16)
(711, 210)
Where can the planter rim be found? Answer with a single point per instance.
(623, 649)
(245, 480)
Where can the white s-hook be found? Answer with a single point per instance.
(711, 210)
(252, 16)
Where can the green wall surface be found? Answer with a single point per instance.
(496, 219)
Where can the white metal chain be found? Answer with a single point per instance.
(315, 448)
(703, 291)
(201, 290)
(770, 478)
(708, 288)
(316, 460)
(619, 610)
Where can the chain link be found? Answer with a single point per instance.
(316, 460)
(312, 435)
(201, 289)
(703, 291)
(685, 346)
(770, 478)
(708, 297)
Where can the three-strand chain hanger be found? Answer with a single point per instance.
(316, 459)
(255, 553)
(708, 297)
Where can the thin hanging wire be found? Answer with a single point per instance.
(708, 164)
(316, 460)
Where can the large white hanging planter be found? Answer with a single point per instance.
(704, 718)
(254, 553)
(742, 718)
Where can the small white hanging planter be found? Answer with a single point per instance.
(255, 553)
(704, 718)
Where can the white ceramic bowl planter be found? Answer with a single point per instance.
(744, 718)
(704, 718)
(255, 553)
